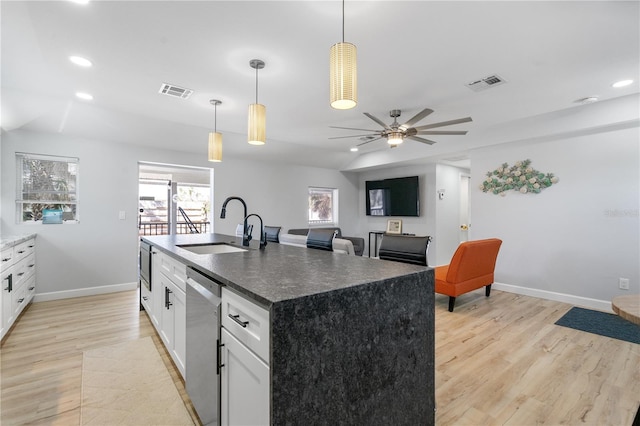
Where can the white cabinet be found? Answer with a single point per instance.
(18, 277)
(245, 361)
(245, 385)
(167, 307)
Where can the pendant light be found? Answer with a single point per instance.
(257, 113)
(215, 138)
(343, 73)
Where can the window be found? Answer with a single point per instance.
(323, 206)
(46, 187)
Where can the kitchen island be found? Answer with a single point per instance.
(351, 339)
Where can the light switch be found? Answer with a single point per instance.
(122, 215)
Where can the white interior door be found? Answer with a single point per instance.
(465, 208)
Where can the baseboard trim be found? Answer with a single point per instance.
(585, 302)
(88, 291)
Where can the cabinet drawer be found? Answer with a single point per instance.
(174, 270)
(24, 249)
(248, 322)
(21, 272)
(6, 258)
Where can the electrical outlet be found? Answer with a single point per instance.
(623, 283)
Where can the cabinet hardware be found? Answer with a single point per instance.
(31, 246)
(21, 300)
(20, 274)
(167, 292)
(31, 288)
(219, 356)
(9, 288)
(20, 251)
(6, 259)
(236, 318)
(32, 265)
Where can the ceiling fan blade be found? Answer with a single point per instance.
(353, 128)
(423, 140)
(355, 136)
(366, 142)
(377, 120)
(419, 116)
(442, 132)
(444, 123)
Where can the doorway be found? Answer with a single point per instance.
(465, 207)
(174, 199)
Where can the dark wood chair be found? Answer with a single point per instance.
(404, 248)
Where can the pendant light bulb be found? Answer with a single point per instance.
(343, 73)
(215, 138)
(257, 134)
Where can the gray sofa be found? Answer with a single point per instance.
(358, 243)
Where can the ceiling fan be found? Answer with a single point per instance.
(395, 133)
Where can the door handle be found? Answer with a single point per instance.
(219, 364)
(9, 279)
(167, 292)
(236, 318)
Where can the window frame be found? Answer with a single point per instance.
(334, 196)
(72, 194)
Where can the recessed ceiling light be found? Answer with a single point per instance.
(84, 96)
(80, 61)
(80, 1)
(354, 149)
(621, 83)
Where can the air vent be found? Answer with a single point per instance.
(175, 91)
(486, 82)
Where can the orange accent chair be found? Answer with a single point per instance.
(471, 267)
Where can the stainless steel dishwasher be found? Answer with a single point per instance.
(203, 337)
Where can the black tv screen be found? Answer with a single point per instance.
(393, 197)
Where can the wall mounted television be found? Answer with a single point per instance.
(393, 197)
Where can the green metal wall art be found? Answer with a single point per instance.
(520, 177)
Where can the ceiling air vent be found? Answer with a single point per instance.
(175, 91)
(486, 82)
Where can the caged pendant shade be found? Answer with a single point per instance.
(343, 73)
(215, 138)
(257, 134)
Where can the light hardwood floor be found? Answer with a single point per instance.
(499, 361)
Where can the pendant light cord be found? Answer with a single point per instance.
(215, 118)
(256, 84)
(343, 21)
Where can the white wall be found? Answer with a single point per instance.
(575, 239)
(102, 250)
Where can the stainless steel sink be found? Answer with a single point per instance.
(214, 248)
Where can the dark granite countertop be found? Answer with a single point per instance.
(280, 272)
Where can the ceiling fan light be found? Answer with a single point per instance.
(343, 76)
(257, 124)
(215, 147)
(394, 138)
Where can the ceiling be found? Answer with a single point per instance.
(411, 55)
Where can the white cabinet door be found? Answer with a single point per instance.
(166, 314)
(173, 321)
(179, 300)
(6, 308)
(157, 291)
(245, 385)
